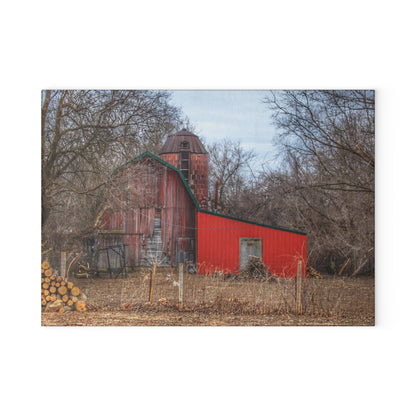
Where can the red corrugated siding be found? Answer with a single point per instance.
(218, 245)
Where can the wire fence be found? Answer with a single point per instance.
(253, 293)
(328, 296)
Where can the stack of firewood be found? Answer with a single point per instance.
(59, 295)
(256, 269)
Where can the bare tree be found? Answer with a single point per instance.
(326, 185)
(85, 136)
(229, 166)
(329, 132)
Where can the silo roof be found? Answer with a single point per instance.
(173, 143)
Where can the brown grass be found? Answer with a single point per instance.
(326, 297)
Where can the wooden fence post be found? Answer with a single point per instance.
(63, 264)
(299, 289)
(344, 266)
(180, 286)
(152, 279)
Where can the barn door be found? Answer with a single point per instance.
(250, 247)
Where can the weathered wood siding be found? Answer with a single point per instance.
(198, 174)
(139, 192)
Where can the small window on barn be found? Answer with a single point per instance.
(184, 163)
(185, 145)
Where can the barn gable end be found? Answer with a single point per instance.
(151, 212)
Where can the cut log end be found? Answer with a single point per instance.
(62, 290)
(75, 291)
(81, 306)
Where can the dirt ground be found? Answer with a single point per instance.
(163, 318)
(217, 301)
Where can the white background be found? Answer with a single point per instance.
(216, 44)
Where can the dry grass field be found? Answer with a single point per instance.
(217, 300)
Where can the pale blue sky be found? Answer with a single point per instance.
(239, 115)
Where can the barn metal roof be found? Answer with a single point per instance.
(173, 143)
(198, 208)
(252, 222)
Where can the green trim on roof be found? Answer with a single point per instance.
(252, 222)
(147, 153)
(158, 159)
(191, 194)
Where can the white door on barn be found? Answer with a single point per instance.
(249, 248)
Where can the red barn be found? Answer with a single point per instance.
(226, 243)
(155, 210)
